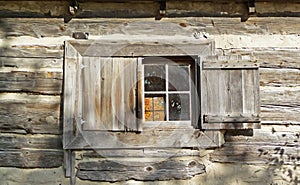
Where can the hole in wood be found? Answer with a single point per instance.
(149, 168)
(192, 164)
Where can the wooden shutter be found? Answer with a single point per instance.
(108, 87)
(230, 94)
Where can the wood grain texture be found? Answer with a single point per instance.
(145, 152)
(17, 141)
(229, 90)
(112, 171)
(55, 27)
(156, 138)
(35, 158)
(108, 100)
(256, 154)
(35, 75)
(138, 48)
(24, 113)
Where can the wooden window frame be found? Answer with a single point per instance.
(74, 138)
(169, 123)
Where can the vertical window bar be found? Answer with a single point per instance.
(167, 92)
(190, 89)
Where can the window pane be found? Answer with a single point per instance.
(178, 78)
(179, 108)
(155, 77)
(155, 108)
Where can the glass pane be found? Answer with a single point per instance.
(179, 108)
(155, 77)
(155, 108)
(159, 103)
(179, 78)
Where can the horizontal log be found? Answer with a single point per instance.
(269, 57)
(132, 48)
(252, 154)
(276, 8)
(25, 113)
(279, 116)
(280, 96)
(16, 141)
(55, 27)
(230, 65)
(242, 118)
(147, 152)
(26, 158)
(112, 171)
(155, 138)
(8, 64)
(268, 135)
(37, 75)
(36, 82)
(32, 51)
(279, 77)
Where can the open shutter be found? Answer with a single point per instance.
(229, 94)
(108, 93)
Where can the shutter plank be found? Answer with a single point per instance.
(118, 95)
(130, 91)
(212, 81)
(236, 89)
(89, 86)
(106, 83)
(224, 92)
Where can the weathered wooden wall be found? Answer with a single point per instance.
(32, 36)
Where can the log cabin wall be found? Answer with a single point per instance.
(31, 84)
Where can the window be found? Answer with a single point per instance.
(131, 95)
(167, 89)
(154, 94)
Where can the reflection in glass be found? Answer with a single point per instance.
(155, 77)
(178, 77)
(155, 108)
(179, 107)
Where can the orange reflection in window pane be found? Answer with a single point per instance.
(154, 109)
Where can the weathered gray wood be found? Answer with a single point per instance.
(280, 97)
(242, 118)
(108, 93)
(159, 138)
(112, 171)
(145, 152)
(269, 57)
(255, 154)
(229, 90)
(38, 75)
(32, 52)
(276, 77)
(16, 141)
(72, 68)
(270, 135)
(235, 64)
(25, 113)
(277, 117)
(123, 48)
(36, 82)
(31, 158)
(176, 8)
(31, 64)
(39, 27)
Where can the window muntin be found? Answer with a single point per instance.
(167, 91)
